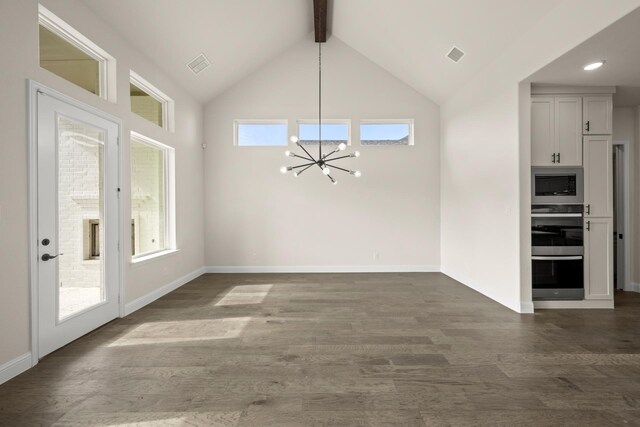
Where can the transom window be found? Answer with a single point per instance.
(334, 132)
(260, 133)
(71, 56)
(149, 102)
(386, 132)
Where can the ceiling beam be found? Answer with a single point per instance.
(320, 20)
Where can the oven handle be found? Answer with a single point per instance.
(571, 215)
(557, 258)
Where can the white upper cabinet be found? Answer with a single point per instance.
(568, 130)
(598, 259)
(598, 176)
(543, 147)
(597, 115)
(556, 131)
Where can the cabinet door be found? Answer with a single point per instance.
(598, 176)
(568, 130)
(597, 115)
(543, 145)
(598, 258)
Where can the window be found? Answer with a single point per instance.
(91, 233)
(334, 132)
(149, 102)
(152, 206)
(260, 133)
(68, 54)
(386, 132)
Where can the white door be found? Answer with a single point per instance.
(543, 147)
(568, 130)
(598, 176)
(77, 168)
(598, 258)
(597, 115)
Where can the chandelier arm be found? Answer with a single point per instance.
(305, 150)
(300, 173)
(301, 166)
(302, 157)
(337, 158)
(333, 181)
(326, 156)
(339, 168)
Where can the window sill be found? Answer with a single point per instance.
(151, 257)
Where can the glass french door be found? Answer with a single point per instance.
(78, 286)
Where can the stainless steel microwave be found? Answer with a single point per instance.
(557, 185)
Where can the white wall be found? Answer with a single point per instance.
(483, 192)
(19, 53)
(257, 217)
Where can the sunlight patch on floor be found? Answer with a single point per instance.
(184, 331)
(155, 419)
(249, 294)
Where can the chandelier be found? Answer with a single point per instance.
(323, 161)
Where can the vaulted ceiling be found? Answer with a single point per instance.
(408, 38)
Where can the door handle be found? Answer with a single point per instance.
(588, 225)
(588, 209)
(553, 158)
(558, 157)
(588, 125)
(47, 257)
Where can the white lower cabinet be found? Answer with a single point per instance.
(598, 258)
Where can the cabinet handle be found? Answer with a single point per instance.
(588, 225)
(558, 158)
(553, 158)
(588, 125)
(588, 209)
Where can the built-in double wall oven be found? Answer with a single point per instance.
(557, 236)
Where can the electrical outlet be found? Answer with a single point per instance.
(376, 256)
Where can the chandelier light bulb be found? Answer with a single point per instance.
(357, 174)
(355, 154)
(287, 153)
(326, 170)
(295, 174)
(294, 139)
(284, 169)
(342, 146)
(334, 182)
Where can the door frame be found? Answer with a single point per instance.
(33, 89)
(626, 182)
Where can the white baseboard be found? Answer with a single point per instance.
(633, 287)
(138, 303)
(582, 304)
(518, 306)
(526, 307)
(325, 269)
(15, 367)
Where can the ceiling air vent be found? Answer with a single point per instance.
(455, 54)
(198, 64)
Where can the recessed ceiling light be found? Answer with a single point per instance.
(594, 65)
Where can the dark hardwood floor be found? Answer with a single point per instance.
(339, 349)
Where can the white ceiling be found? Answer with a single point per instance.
(408, 38)
(619, 45)
(237, 36)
